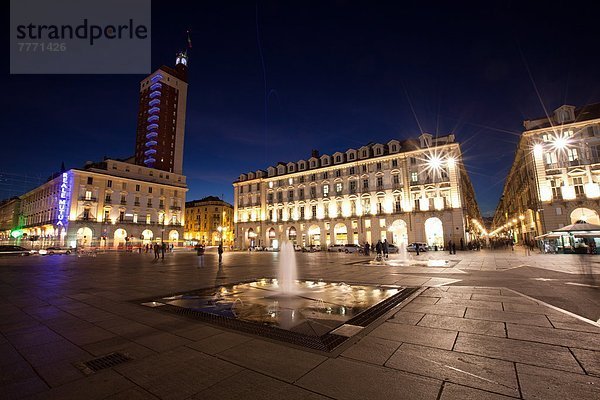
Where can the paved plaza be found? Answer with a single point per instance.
(493, 325)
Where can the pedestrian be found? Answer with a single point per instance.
(367, 248)
(163, 249)
(379, 248)
(172, 247)
(386, 248)
(450, 246)
(417, 248)
(453, 248)
(462, 244)
(200, 253)
(156, 251)
(512, 245)
(220, 251)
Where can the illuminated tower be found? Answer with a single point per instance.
(161, 117)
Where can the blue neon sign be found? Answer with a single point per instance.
(64, 196)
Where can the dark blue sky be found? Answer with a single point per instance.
(338, 74)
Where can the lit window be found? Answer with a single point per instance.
(414, 177)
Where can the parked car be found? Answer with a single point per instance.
(311, 248)
(344, 248)
(336, 248)
(7, 250)
(55, 250)
(393, 249)
(413, 247)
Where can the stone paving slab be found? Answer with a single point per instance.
(373, 350)
(247, 385)
(177, 374)
(561, 337)
(518, 351)
(276, 360)
(548, 384)
(405, 317)
(480, 372)
(346, 379)
(433, 337)
(589, 359)
(508, 316)
(478, 326)
(457, 392)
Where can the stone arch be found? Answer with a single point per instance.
(119, 238)
(84, 236)
(585, 214)
(147, 236)
(434, 232)
(340, 233)
(399, 231)
(314, 235)
(174, 237)
(292, 234)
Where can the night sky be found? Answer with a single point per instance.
(338, 75)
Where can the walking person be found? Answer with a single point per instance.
(200, 253)
(453, 248)
(386, 248)
(450, 246)
(417, 248)
(220, 251)
(163, 249)
(367, 248)
(156, 251)
(379, 249)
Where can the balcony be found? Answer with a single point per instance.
(84, 198)
(175, 208)
(107, 201)
(123, 202)
(136, 204)
(149, 205)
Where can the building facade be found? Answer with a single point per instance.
(209, 221)
(554, 179)
(9, 218)
(403, 191)
(108, 204)
(161, 117)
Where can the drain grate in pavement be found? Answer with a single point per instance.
(104, 362)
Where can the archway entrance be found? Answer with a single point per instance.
(84, 236)
(340, 232)
(399, 232)
(119, 238)
(147, 236)
(174, 237)
(251, 238)
(314, 236)
(434, 231)
(272, 238)
(292, 235)
(585, 214)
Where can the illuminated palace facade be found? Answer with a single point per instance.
(108, 204)
(554, 179)
(209, 221)
(403, 191)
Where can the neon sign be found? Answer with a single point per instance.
(63, 200)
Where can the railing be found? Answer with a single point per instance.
(84, 198)
(137, 204)
(175, 208)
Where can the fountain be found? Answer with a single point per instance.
(286, 275)
(315, 314)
